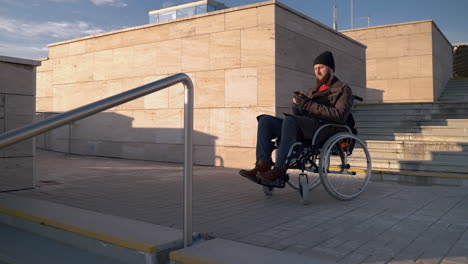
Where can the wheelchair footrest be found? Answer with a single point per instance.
(276, 184)
(279, 183)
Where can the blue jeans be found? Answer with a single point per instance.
(270, 127)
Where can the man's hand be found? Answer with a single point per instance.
(299, 101)
(297, 109)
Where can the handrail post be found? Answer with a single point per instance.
(188, 162)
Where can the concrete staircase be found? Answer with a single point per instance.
(456, 90)
(429, 140)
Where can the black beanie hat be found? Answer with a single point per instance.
(326, 58)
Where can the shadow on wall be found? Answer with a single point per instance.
(423, 137)
(111, 134)
(370, 95)
(453, 160)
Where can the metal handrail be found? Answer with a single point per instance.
(34, 129)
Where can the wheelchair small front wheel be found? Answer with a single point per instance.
(267, 190)
(345, 166)
(305, 193)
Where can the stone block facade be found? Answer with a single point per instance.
(243, 61)
(409, 62)
(17, 107)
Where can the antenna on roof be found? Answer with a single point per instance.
(352, 13)
(335, 19)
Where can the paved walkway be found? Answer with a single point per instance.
(388, 223)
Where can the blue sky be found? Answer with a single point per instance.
(27, 26)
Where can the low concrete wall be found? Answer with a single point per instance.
(17, 107)
(408, 62)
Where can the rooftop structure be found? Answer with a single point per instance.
(184, 10)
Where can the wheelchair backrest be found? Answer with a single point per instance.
(351, 123)
(327, 130)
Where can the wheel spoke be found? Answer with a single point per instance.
(345, 176)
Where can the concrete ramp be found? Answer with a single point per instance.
(121, 239)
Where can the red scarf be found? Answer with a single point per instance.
(323, 87)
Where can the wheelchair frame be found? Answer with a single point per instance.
(304, 157)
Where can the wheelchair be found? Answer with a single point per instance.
(335, 158)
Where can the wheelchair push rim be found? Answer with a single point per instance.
(345, 166)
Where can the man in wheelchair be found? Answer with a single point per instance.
(330, 102)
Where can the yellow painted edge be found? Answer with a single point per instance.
(140, 246)
(187, 259)
(353, 170)
(412, 173)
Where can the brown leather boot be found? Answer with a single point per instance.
(261, 166)
(271, 175)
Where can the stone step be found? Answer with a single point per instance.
(452, 115)
(421, 177)
(411, 106)
(359, 118)
(411, 137)
(461, 90)
(422, 130)
(406, 121)
(421, 146)
(454, 93)
(389, 131)
(458, 98)
(452, 96)
(414, 165)
(445, 156)
(457, 82)
(222, 251)
(385, 124)
(455, 90)
(457, 120)
(422, 115)
(410, 111)
(454, 87)
(121, 239)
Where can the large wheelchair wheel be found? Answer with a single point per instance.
(345, 166)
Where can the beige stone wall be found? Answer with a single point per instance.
(17, 105)
(233, 59)
(229, 55)
(299, 40)
(402, 61)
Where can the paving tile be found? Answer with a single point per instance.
(354, 258)
(388, 223)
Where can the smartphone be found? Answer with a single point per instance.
(297, 93)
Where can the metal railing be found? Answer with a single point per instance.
(34, 129)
